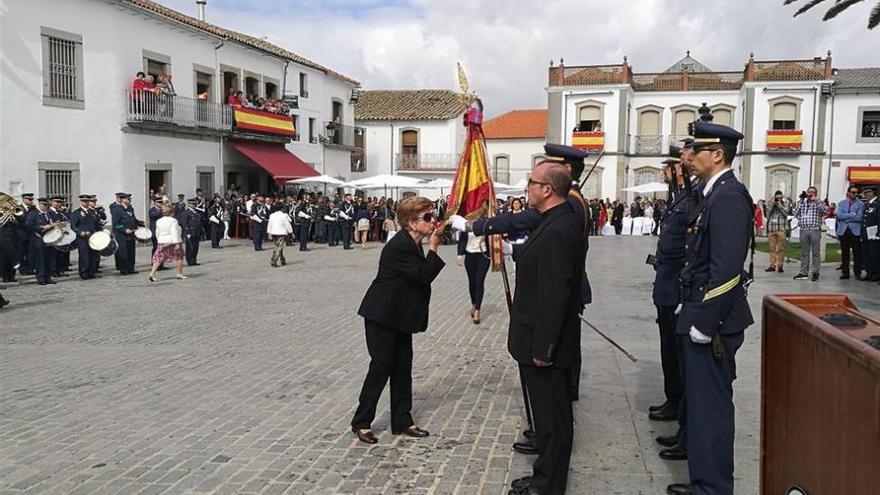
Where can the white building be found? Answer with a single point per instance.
(69, 122)
(416, 133)
(515, 143)
(801, 120)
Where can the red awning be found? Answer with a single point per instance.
(276, 160)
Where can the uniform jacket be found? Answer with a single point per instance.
(84, 220)
(670, 251)
(191, 222)
(871, 216)
(260, 210)
(154, 214)
(544, 323)
(716, 250)
(123, 218)
(35, 222)
(398, 298)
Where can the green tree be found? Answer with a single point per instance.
(838, 7)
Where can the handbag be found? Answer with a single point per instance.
(363, 224)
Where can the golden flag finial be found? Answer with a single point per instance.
(462, 79)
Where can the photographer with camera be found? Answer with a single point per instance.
(777, 230)
(809, 212)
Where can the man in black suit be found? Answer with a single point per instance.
(544, 334)
(617, 218)
(191, 223)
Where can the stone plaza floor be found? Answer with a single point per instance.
(243, 379)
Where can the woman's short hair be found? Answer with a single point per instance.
(167, 210)
(409, 209)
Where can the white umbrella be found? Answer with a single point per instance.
(650, 187)
(500, 185)
(440, 183)
(521, 185)
(321, 179)
(384, 180)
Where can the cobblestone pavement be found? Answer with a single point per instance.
(243, 379)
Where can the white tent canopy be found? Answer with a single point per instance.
(384, 180)
(321, 179)
(650, 187)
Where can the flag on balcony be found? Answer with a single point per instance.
(788, 140)
(262, 121)
(588, 141)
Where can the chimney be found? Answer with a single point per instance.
(201, 5)
(750, 68)
(828, 66)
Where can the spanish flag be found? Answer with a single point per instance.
(262, 121)
(789, 140)
(589, 141)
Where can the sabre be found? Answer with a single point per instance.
(581, 185)
(610, 340)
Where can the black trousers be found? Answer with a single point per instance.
(88, 259)
(346, 234)
(192, 250)
(550, 396)
(682, 404)
(216, 234)
(43, 258)
(332, 234)
(8, 258)
(304, 235)
(391, 357)
(125, 255)
(669, 354)
(257, 234)
(710, 413)
(871, 258)
(618, 228)
(477, 266)
(25, 262)
(851, 242)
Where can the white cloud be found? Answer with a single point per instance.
(506, 46)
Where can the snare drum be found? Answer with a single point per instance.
(103, 243)
(68, 242)
(143, 234)
(52, 236)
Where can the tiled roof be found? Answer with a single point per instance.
(517, 124)
(235, 36)
(857, 78)
(406, 104)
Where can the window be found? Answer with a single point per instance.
(251, 86)
(869, 124)
(303, 85)
(648, 139)
(537, 159)
(649, 123)
(312, 138)
(203, 85)
(501, 169)
(230, 80)
(337, 111)
(296, 130)
(589, 119)
(783, 178)
(409, 142)
(784, 116)
(63, 83)
(206, 181)
(271, 90)
(59, 179)
(680, 121)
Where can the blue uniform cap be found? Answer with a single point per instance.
(28, 195)
(564, 153)
(674, 155)
(84, 197)
(707, 133)
(43, 200)
(124, 195)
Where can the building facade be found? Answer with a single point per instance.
(71, 123)
(515, 143)
(804, 122)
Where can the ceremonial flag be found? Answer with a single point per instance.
(788, 140)
(262, 121)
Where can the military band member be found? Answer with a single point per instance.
(346, 219)
(58, 212)
(715, 311)
(39, 222)
(23, 237)
(216, 215)
(191, 222)
(84, 221)
(259, 216)
(321, 210)
(124, 224)
(113, 207)
(305, 212)
(332, 219)
(101, 212)
(154, 214)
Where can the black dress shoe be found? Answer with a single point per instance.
(530, 434)
(815, 277)
(678, 489)
(413, 431)
(674, 454)
(656, 408)
(668, 413)
(770, 269)
(521, 483)
(365, 436)
(667, 441)
(528, 447)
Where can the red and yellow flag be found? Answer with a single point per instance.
(788, 140)
(262, 121)
(472, 195)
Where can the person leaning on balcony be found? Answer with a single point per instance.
(777, 231)
(810, 211)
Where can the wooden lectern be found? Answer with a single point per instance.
(820, 398)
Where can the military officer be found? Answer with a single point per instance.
(102, 222)
(259, 216)
(715, 311)
(216, 214)
(58, 214)
(8, 250)
(332, 219)
(24, 234)
(321, 210)
(154, 214)
(305, 212)
(84, 221)
(191, 222)
(871, 245)
(124, 224)
(346, 217)
(39, 222)
(114, 206)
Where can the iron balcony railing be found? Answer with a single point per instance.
(648, 145)
(343, 135)
(148, 106)
(426, 161)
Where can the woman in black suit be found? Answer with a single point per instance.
(395, 307)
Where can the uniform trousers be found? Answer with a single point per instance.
(216, 234)
(682, 404)
(304, 235)
(8, 258)
(477, 266)
(25, 262)
(550, 397)
(257, 235)
(43, 258)
(346, 234)
(871, 258)
(88, 260)
(332, 234)
(669, 355)
(391, 355)
(192, 249)
(710, 411)
(125, 253)
(776, 240)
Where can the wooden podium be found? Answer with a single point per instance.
(820, 399)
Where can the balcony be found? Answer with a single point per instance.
(344, 136)
(785, 141)
(588, 140)
(426, 162)
(358, 161)
(648, 145)
(147, 109)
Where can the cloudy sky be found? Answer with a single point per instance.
(506, 45)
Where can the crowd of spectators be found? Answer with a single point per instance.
(237, 98)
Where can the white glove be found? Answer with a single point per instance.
(343, 215)
(304, 215)
(507, 248)
(329, 218)
(698, 337)
(458, 223)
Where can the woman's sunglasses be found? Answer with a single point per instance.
(428, 217)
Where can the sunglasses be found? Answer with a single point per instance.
(427, 217)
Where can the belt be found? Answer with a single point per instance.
(723, 288)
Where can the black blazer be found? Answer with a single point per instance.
(549, 270)
(398, 298)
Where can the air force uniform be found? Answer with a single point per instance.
(85, 222)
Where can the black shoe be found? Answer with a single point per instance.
(51, 282)
(3, 302)
(305, 250)
(668, 413)
(527, 447)
(674, 454)
(530, 434)
(134, 272)
(412, 431)
(845, 276)
(770, 269)
(801, 276)
(678, 489)
(521, 483)
(656, 408)
(815, 277)
(667, 441)
(780, 270)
